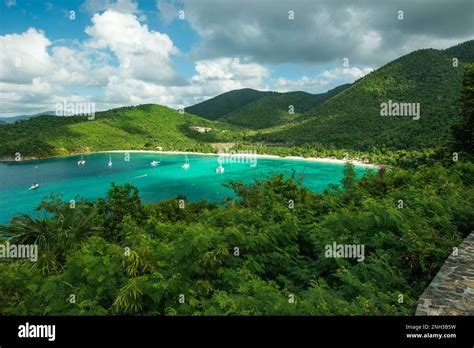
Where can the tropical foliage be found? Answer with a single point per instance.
(463, 131)
(255, 255)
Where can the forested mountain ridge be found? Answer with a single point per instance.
(345, 118)
(278, 108)
(224, 103)
(260, 109)
(268, 111)
(17, 118)
(463, 51)
(137, 127)
(352, 118)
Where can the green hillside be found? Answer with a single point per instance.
(268, 111)
(273, 109)
(347, 117)
(463, 51)
(217, 107)
(351, 119)
(140, 127)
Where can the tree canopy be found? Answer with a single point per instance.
(258, 254)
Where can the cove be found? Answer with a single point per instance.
(64, 177)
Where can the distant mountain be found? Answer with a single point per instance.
(14, 119)
(274, 109)
(352, 119)
(221, 105)
(463, 51)
(137, 127)
(268, 111)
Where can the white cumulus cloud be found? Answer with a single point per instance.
(143, 54)
(24, 56)
(323, 81)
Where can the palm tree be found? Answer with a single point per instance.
(28, 231)
(56, 236)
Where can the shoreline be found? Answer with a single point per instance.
(298, 158)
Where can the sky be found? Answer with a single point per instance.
(178, 53)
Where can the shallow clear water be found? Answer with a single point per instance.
(64, 176)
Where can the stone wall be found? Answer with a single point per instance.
(451, 292)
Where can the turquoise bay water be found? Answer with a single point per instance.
(64, 176)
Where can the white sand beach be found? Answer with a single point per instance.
(233, 154)
(312, 159)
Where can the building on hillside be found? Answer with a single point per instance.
(200, 129)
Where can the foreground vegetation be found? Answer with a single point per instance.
(251, 256)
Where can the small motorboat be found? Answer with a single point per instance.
(220, 169)
(154, 163)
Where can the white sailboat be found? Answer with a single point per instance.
(81, 162)
(186, 164)
(110, 161)
(220, 168)
(35, 184)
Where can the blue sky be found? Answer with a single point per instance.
(128, 52)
